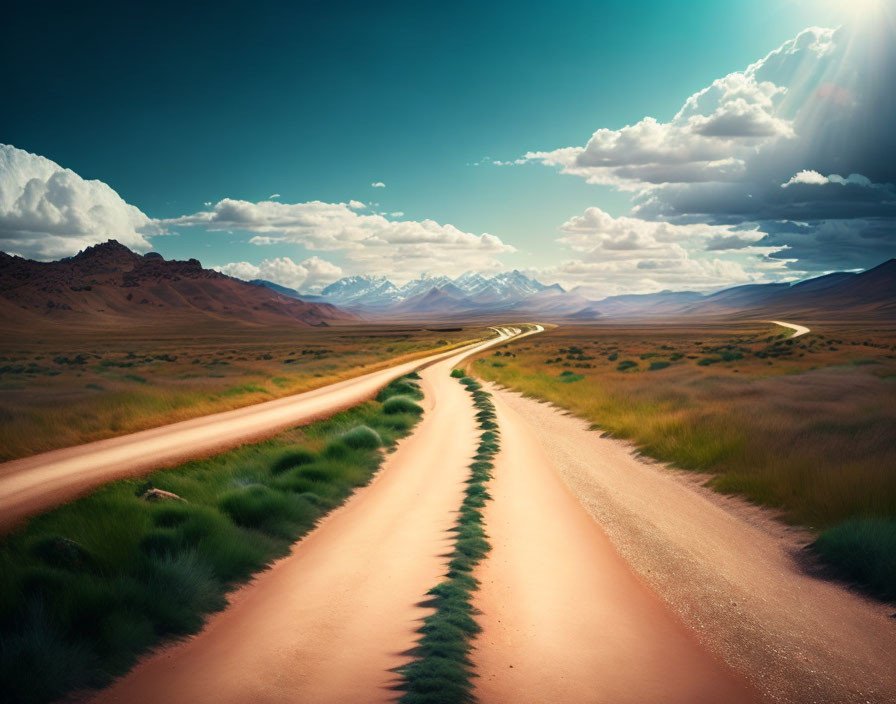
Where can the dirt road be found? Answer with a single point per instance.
(34, 484)
(730, 571)
(611, 579)
(564, 618)
(332, 620)
(797, 329)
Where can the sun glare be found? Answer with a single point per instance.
(860, 8)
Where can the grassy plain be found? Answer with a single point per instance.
(63, 390)
(87, 587)
(806, 425)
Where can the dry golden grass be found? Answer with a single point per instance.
(807, 425)
(62, 390)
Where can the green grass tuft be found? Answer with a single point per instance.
(291, 459)
(362, 437)
(400, 387)
(268, 510)
(863, 550)
(401, 404)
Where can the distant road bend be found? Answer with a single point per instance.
(797, 329)
(37, 483)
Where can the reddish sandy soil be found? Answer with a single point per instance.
(330, 622)
(39, 482)
(564, 618)
(737, 577)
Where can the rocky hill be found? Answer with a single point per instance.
(108, 284)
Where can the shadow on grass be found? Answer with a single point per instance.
(862, 551)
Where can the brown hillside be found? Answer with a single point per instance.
(108, 284)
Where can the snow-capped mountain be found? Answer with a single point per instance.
(515, 294)
(470, 291)
(376, 291)
(423, 285)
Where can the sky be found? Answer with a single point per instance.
(616, 147)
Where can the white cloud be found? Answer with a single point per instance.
(600, 235)
(312, 274)
(370, 241)
(707, 140)
(48, 212)
(631, 255)
(377, 184)
(598, 279)
(807, 177)
(752, 149)
(273, 196)
(813, 178)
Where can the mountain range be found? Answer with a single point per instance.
(872, 293)
(468, 294)
(109, 285)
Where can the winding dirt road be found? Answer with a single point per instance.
(565, 619)
(34, 484)
(611, 580)
(330, 622)
(797, 329)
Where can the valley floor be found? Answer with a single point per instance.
(611, 579)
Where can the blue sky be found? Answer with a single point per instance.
(178, 107)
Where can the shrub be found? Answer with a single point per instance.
(267, 510)
(400, 387)
(659, 364)
(863, 550)
(336, 450)
(291, 459)
(626, 365)
(397, 422)
(361, 437)
(401, 404)
(62, 553)
(706, 361)
(457, 374)
(196, 589)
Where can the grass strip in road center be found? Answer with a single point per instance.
(443, 671)
(89, 586)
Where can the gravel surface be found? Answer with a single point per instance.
(739, 578)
